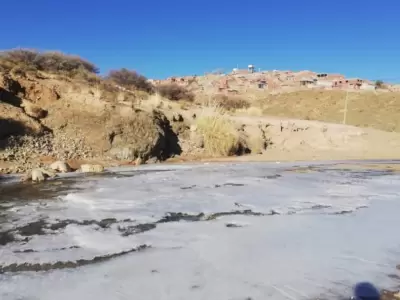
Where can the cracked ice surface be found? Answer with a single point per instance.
(218, 231)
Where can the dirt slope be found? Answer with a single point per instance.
(379, 110)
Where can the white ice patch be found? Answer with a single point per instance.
(311, 248)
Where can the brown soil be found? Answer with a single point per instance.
(379, 110)
(86, 122)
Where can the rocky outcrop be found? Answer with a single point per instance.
(143, 135)
(33, 110)
(40, 94)
(45, 118)
(13, 121)
(11, 91)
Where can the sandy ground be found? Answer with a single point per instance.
(303, 140)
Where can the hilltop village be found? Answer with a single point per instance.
(250, 80)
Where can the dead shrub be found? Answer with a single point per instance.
(56, 62)
(130, 80)
(26, 60)
(231, 103)
(175, 92)
(220, 135)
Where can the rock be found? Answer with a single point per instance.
(152, 160)
(177, 118)
(180, 129)
(60, 166)
(197, 139)
(38, 175)
(33, 110)
(139, 161)
(142, 135)
(123, 153)
(89, 168)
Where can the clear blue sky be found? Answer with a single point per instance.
(161, 38)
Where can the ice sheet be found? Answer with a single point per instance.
(265, 232)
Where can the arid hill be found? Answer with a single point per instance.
(56, 107)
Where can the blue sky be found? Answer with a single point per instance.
(161, 38)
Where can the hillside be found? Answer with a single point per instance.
(56, 107)
(285, 94)
(379, 110)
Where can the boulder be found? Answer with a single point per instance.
(38, 175)
(60, 166)
(33, 110)
(123, 153)
(89, 168)
(177, 117)
(142, 135)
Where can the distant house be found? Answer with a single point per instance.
(366, 86)
(354, 84)
(324, 83)
(307, 81)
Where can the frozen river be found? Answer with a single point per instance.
(215, 232)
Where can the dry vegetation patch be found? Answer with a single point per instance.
(130, 79)
(22, 61)
(220, 135)
(175, 92)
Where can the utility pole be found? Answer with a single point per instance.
(345, 107)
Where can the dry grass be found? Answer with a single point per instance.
(220, 135)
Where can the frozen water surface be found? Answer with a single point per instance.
(217, 231)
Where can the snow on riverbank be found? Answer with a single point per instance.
(246, 231)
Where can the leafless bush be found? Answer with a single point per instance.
(130, 79)
(26, 60)
(175, 92)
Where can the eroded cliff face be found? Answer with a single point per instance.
(44, 119)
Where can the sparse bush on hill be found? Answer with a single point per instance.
(231, 103)
(25, 60)
(175, 92)
(130, 80)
